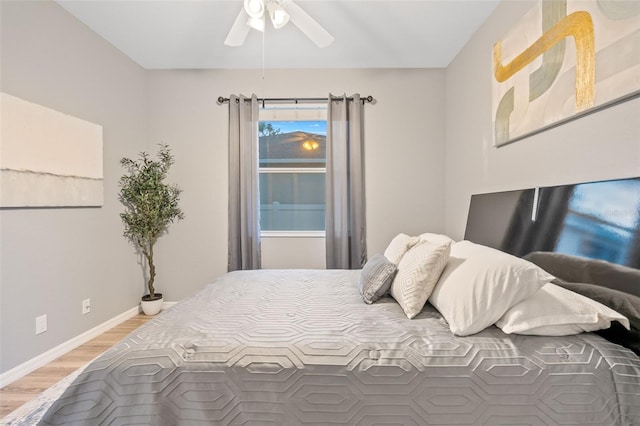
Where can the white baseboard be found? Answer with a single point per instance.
(43, 359)
(33, 364)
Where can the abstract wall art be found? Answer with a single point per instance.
(47, 158)
(564, 59)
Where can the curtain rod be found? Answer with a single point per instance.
(223, 100)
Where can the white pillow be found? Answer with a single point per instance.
(556, 311)
(417, 275)
(479, 284)
(435, 238)
(400, 244)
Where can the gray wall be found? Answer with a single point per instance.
(54, 258)
(51, 259)
(403, 156)
(601, 146)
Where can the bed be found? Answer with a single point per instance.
(300, 347)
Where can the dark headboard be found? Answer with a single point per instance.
(596, 220)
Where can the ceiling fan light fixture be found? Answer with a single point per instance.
(253, 15)
(254, 8)
(279, 16)
(257, 23)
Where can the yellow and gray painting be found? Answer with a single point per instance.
(563, 59)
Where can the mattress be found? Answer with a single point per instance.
(301, 347)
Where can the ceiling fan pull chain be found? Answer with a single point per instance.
(263, 83)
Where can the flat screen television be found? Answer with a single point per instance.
(597, 220)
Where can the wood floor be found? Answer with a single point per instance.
(23, 390)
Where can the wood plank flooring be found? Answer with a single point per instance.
(27, 388)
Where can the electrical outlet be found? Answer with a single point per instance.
(86, 306)
(41, 324)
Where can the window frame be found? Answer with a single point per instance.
(311, 112)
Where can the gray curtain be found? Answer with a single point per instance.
(244, 198)
(345, 203)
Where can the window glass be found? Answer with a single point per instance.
(292, 175)
(292, 201)
(292, 143)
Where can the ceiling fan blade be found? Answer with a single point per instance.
(239, 30)
(307, 24)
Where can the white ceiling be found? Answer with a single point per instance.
(165, 34)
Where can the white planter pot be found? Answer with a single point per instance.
(152, 307)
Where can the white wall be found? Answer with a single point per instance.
(404, 149)
(603, 145)
(52, 259)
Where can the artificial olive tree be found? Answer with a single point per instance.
(150, 204)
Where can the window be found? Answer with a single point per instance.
(292, 171)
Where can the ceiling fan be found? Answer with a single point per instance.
(253, 15)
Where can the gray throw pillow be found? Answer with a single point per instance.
(627, 304)
(376, 278)
(576, 269)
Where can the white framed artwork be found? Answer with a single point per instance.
(47, 158)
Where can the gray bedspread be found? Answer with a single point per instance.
(301, 347)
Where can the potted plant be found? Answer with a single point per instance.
(150, 206)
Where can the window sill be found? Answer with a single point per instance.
(292, 234)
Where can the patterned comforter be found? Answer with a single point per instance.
(301, 347)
